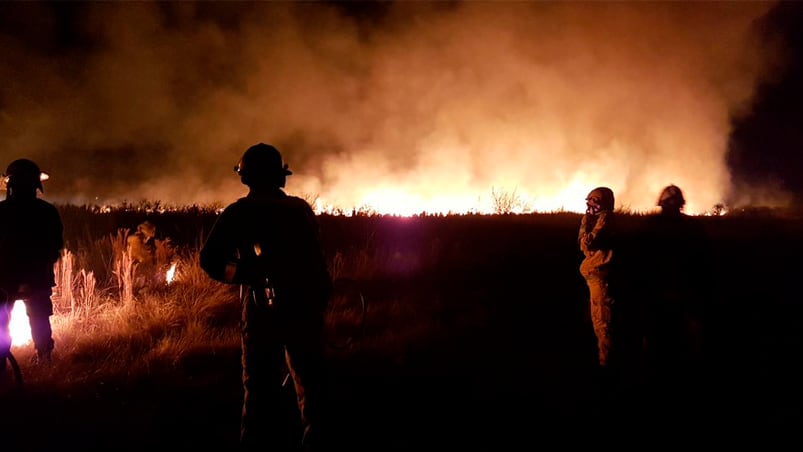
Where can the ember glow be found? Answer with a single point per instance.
(19, 326)
(401, 108)
(170, 274)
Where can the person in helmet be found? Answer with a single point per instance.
(671, 201)
(596, 243)
(676, 282)
(268, 242)
(31, 240)
(142, 244)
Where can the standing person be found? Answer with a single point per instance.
(31, 240)
(676, 282)
(596, 242)
(268, 242)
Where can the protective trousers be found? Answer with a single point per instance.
(39, 307)
(672, 340)
(274, 343)
(601, 304)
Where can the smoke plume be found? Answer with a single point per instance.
(432, 106)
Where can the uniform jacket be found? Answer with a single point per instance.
(595, 239)
(269, 235)
(31, 240)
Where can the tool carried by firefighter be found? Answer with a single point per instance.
(15, 368)
(346, 315)
(346, 310)
(345, 318)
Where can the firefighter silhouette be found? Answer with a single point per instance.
(676, 285)
(596, 243)
(31, 240)
(268, 242)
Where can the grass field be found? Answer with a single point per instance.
(477, 334)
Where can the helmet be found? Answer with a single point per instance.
(146, 229)
(600, 199)
(24, 173)
(261, 162)
(671, 198)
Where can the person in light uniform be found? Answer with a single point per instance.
(596, 243)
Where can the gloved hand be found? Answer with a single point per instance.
(588, 222)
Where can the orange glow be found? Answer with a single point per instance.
(542, 101)
(19, 326)
(411, 201)
(397, 202)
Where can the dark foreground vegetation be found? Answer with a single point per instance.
(477, 335)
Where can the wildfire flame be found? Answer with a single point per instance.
(400, 202)
(19, 326)
(171, 273)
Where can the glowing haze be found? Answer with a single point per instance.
(402, 108)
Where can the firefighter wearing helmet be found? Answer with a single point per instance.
(676, 275)
(596, 243)
(268, 243)
(31, 240)
(261, 165)
(671, 200)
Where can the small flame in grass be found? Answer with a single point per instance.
(171, 273)
(19, 326)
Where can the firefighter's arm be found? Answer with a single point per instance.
(592, 239)
(583, 233)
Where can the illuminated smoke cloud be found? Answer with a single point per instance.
(434, 105)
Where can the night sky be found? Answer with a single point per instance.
(408, 103)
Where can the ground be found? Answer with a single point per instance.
(518, 385)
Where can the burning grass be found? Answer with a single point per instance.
(422, 278)
(119, 319)
(103, 333)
